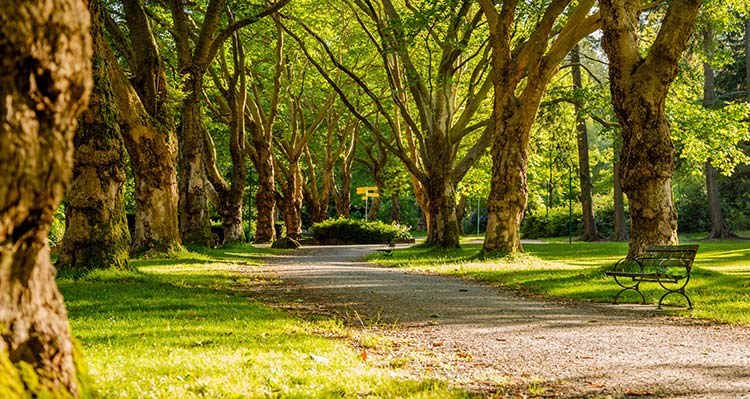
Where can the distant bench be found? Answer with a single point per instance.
(387, 250)
(668, 265)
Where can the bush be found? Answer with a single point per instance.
(358, 232)
(539, 225)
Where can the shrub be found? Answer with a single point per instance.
(538, 224)
(358, 232)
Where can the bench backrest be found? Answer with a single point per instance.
(669, 255)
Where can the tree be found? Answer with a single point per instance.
(45, 47)
(262, 113)
(432, 107)
(590, 233)
(193, 64)
(523, 62)
(639, 88)
(147, 126)
(229, 194)
(96, 231)
(304, 119)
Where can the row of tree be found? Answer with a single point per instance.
(186, 93)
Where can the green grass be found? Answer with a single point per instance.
(188, 327)
(718, 287)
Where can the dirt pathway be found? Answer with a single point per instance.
(496, 342)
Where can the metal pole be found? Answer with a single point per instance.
(478, 198)
(366, 198)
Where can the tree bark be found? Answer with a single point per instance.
(590, 232)
(621, 229)
(195, 225)
(508, 192)
(149, 133)
(265, 197)
(152, 149)
(639, 87)
(442, 229)
(45, 47)
(291, 200)
(96, 230)
(395, 209)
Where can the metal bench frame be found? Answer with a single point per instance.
(667, 265)
(388, 250)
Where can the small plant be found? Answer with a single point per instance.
(349, 231)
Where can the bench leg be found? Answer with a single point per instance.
(681, 292)
(633, 288)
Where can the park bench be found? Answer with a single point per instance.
(387, 249)
(667, 265)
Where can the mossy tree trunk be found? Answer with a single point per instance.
(148, 129)
(96, 230)
(45, 47)
(639, 87)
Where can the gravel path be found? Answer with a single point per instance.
(499, 343)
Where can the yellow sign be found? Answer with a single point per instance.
(365, 190)
(373, 195)
(364, 198)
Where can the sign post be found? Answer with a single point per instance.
(369, 192)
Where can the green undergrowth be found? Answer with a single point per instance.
(718, 287)
(189, 327)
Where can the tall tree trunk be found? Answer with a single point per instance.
(96, 230)
(639, 88)
(719, 229)
(533, 61)
(148, 130)
(45, 47)
(291, 209)
(621, 229)
(508, 194)
(590, 233)
(152, 149)
(195, 226)
(344, 202)
(265, 197)
(442, 227)
(395, 209)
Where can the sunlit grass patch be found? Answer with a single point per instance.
(188, 327)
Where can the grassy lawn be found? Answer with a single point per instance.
(719, 287)
(187, 327)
